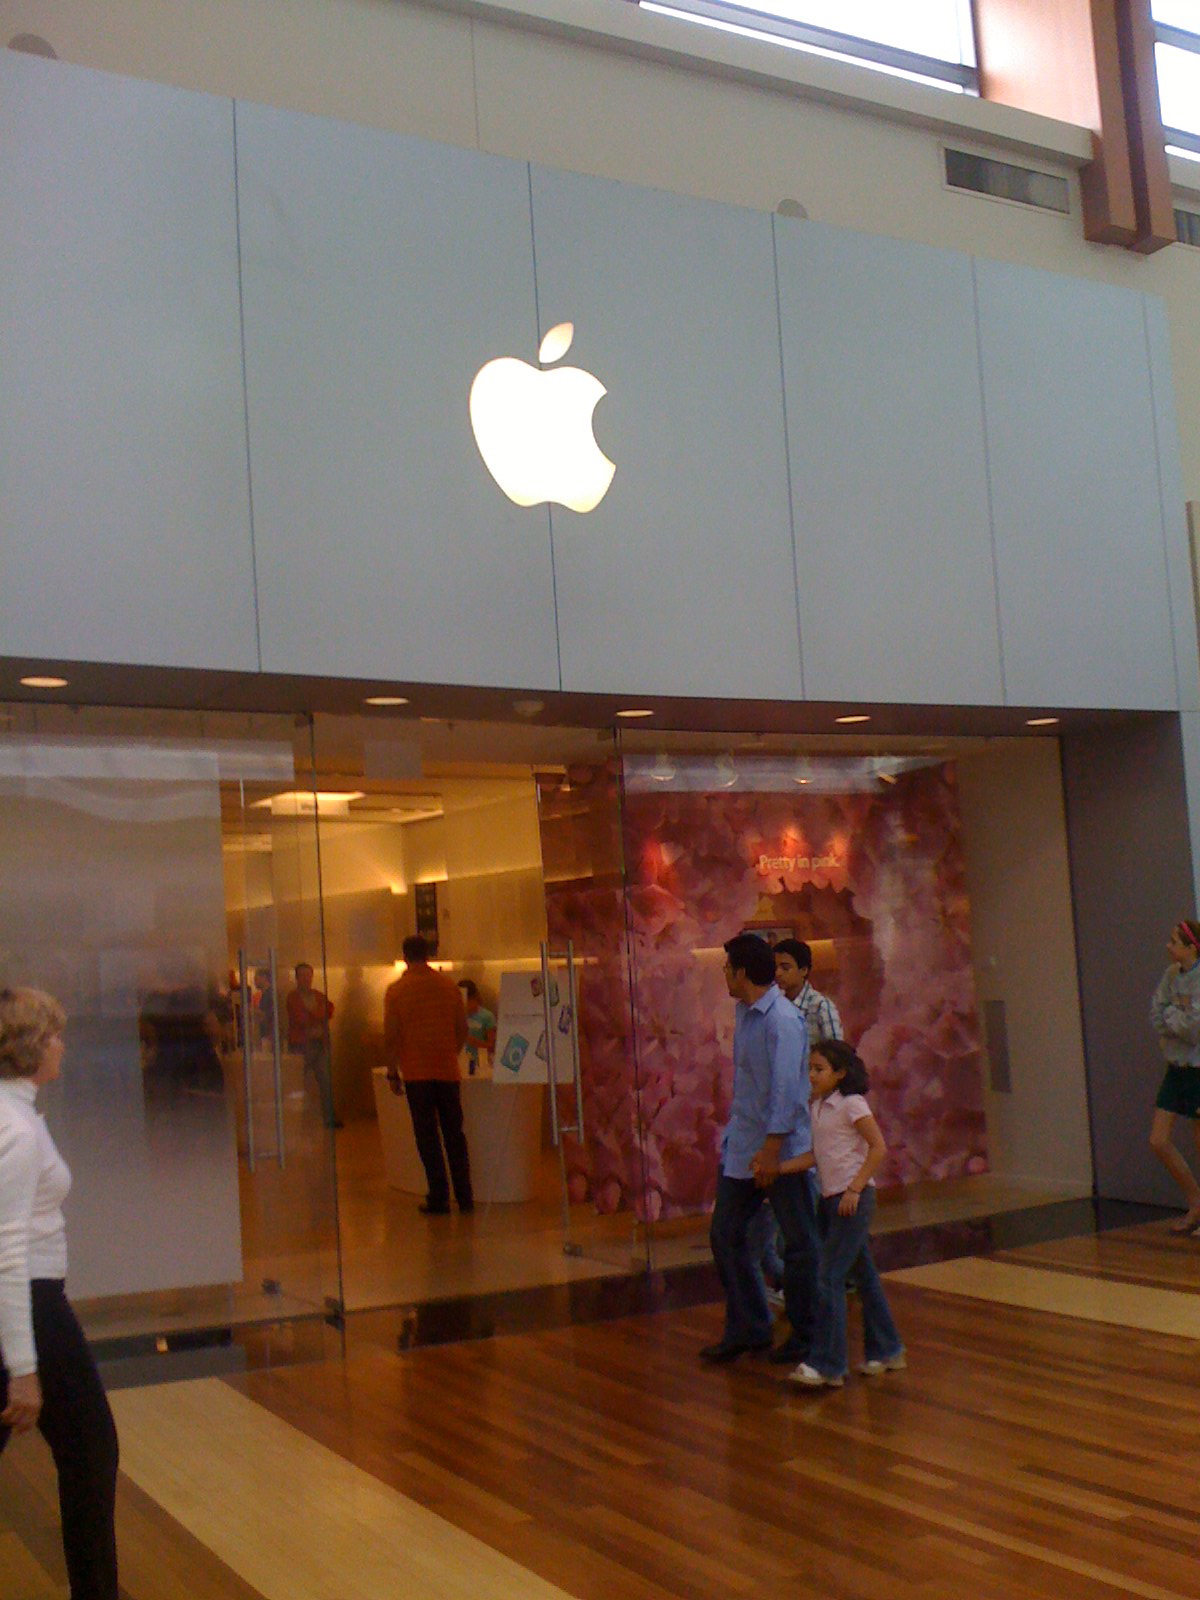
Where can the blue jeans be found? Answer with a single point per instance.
(764, 1241)
(846, 1252)
(747, 1315)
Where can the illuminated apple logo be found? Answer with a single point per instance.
(534, 428)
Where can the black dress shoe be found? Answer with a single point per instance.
(788, 1354)
(721, 1352)
(428, 1209)
(466, 1205)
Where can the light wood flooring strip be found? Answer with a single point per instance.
(291, 1517)
(1126, 1305)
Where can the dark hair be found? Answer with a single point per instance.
(798, 950)
(303, 966)
(853, 1077)
(749, 954)
(469, 987)
(415, 949)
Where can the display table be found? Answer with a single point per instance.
(503, 1125)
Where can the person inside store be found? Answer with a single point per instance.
(481, 1024)
(180, 1036)
(768, 1124)
(264, 1003)
(1175, 1018)
(48, 1378)
(424, 1028)
(793, 967)
(308, 1015)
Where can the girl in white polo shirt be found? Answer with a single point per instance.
(848, 1150)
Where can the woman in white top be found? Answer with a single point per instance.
(47, 1376)
(848, 1150)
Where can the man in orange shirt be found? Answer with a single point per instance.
(424, 1028)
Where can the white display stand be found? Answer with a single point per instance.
(503, 1125)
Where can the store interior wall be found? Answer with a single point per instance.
(1131, 875)
(483, 854)
(1023, 938)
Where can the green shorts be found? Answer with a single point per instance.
(1180, 1091)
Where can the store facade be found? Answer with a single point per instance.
(853, 478)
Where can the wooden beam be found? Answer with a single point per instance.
(1090, 62)
(1147, 142)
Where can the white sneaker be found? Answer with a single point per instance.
(896, 1363)
(809, 1378)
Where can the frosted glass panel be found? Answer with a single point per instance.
(110, 857)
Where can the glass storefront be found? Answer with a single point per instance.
(165, 874)
(160, 874)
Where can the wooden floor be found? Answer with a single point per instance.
(1026, 1453)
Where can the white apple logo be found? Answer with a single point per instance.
(534, 429)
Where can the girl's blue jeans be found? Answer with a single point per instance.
(846, 1253)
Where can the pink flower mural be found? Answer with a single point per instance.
(873, 878)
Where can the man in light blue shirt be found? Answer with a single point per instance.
(768, 1123)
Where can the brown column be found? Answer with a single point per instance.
(1090, 62)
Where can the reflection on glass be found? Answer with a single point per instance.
(111, 860)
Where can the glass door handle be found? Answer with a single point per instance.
(278, 1061)
(576, 1062)
(247, 1057)
(548, 1035)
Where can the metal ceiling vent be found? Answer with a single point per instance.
(1001, 180)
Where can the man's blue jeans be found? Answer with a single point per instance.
(747, 1315)
(846, 1252)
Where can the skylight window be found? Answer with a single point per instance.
(931, 41)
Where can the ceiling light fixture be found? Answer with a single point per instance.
(44, 683)
(635, 712)
(304, 802)
(385, 700)
(858, 716)
(1041, 722)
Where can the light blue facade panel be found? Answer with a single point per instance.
(888, 470)
(380, 274)
(1077, 516)
(124, 501)
(681, 581)
(1173, 500)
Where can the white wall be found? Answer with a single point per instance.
(619, 113)
(1023, 937)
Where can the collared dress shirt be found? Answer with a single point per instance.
(770, 1083)
(820, 1013)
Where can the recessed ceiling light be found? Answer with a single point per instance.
(859, 716)
(385, 700)
(635, 712)
(44, 683)
(1040, 722)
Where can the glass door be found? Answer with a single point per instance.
(277, 1059)
(590, 1046)
(138, 858)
